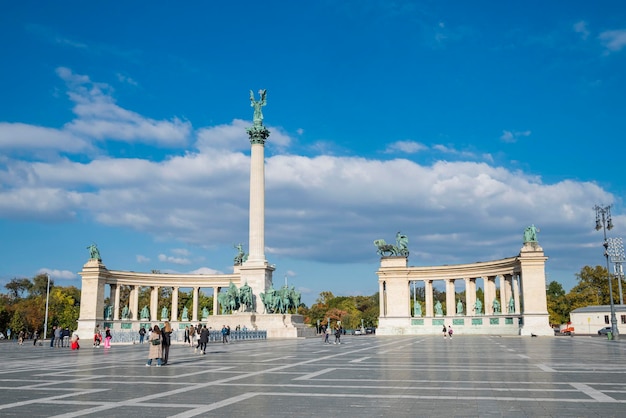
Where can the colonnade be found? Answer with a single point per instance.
(173, 314)
(508, 284)
(520, 279)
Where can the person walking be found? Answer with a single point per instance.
(20, 337)
(192, 335)
(338, 334)
(35, 337)
(142, 334)
(107, 338)
(187, 340)
(445, 332)
(450, 331)
(166, 341)
(156, 351)
(204, 339)
(327, 335)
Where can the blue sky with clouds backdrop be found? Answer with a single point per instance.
(458, 123)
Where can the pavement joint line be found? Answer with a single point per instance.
(44, 400)
(216, 405)
(524, 356)
(315, 374)
(546, 368)
(275, 359)
(204, 385)
(593, 393)
(358, 360)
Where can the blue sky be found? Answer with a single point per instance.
(457, 123)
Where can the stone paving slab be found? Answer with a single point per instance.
(365, 376)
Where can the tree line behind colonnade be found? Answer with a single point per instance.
(23, 308)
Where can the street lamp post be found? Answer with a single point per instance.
(616, 252)
(45, 322)
(604, 222)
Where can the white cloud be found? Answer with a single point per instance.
(58, 274)
(100, 118)
(582, 29)
(513, 136)
(174, 260)
(613, 40)
(142, 259)
(407, 147)
(39, 139)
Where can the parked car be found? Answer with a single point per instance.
(357, 332)
(370, 330)
(567, 331)
(604, 331)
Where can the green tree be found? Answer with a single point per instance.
(592, 288)
(558, 306)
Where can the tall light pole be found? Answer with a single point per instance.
(616, 251)
(45, 322)
(604, 222)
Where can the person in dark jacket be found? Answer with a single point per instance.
(204, 339)
(166, 341)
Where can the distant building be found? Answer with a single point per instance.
(590, 319)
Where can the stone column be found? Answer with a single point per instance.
(134, 302)
(516, 294)
(174, 310)
(503, 300)
(216, 291)
(194, 308)
(428, 289)
(471, 296)
(450, 298)
(116, 302)
(508, 292)
(381, 299)
(154, 303)
(490, 294)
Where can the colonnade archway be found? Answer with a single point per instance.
(504, 296)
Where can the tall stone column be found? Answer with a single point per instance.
(116, 301)
(133, 300)
(429, 297)
(471, 296)
(450, 298)
(174, 310)
(503, 300)
(256, 271)
(194, 309)
(154, 303)
(216, 291)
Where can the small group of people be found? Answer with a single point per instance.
(97, 337)
(60, 337)
(160, 340)
(447, 332)
(337, 331)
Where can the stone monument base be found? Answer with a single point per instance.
(276, 325)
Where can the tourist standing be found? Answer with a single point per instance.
(224, 334)
(327, 335)
(186, 336)
(204, 339)
(166, 340)
(57, 337)
(35, 337)
(450, 331)
(20, 337)
(66, 337)
(338, 334)
(155, 347)
(54, 328)
(142, 334)
(445, 332)
(107, 338)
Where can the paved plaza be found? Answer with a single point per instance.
(365, 376)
